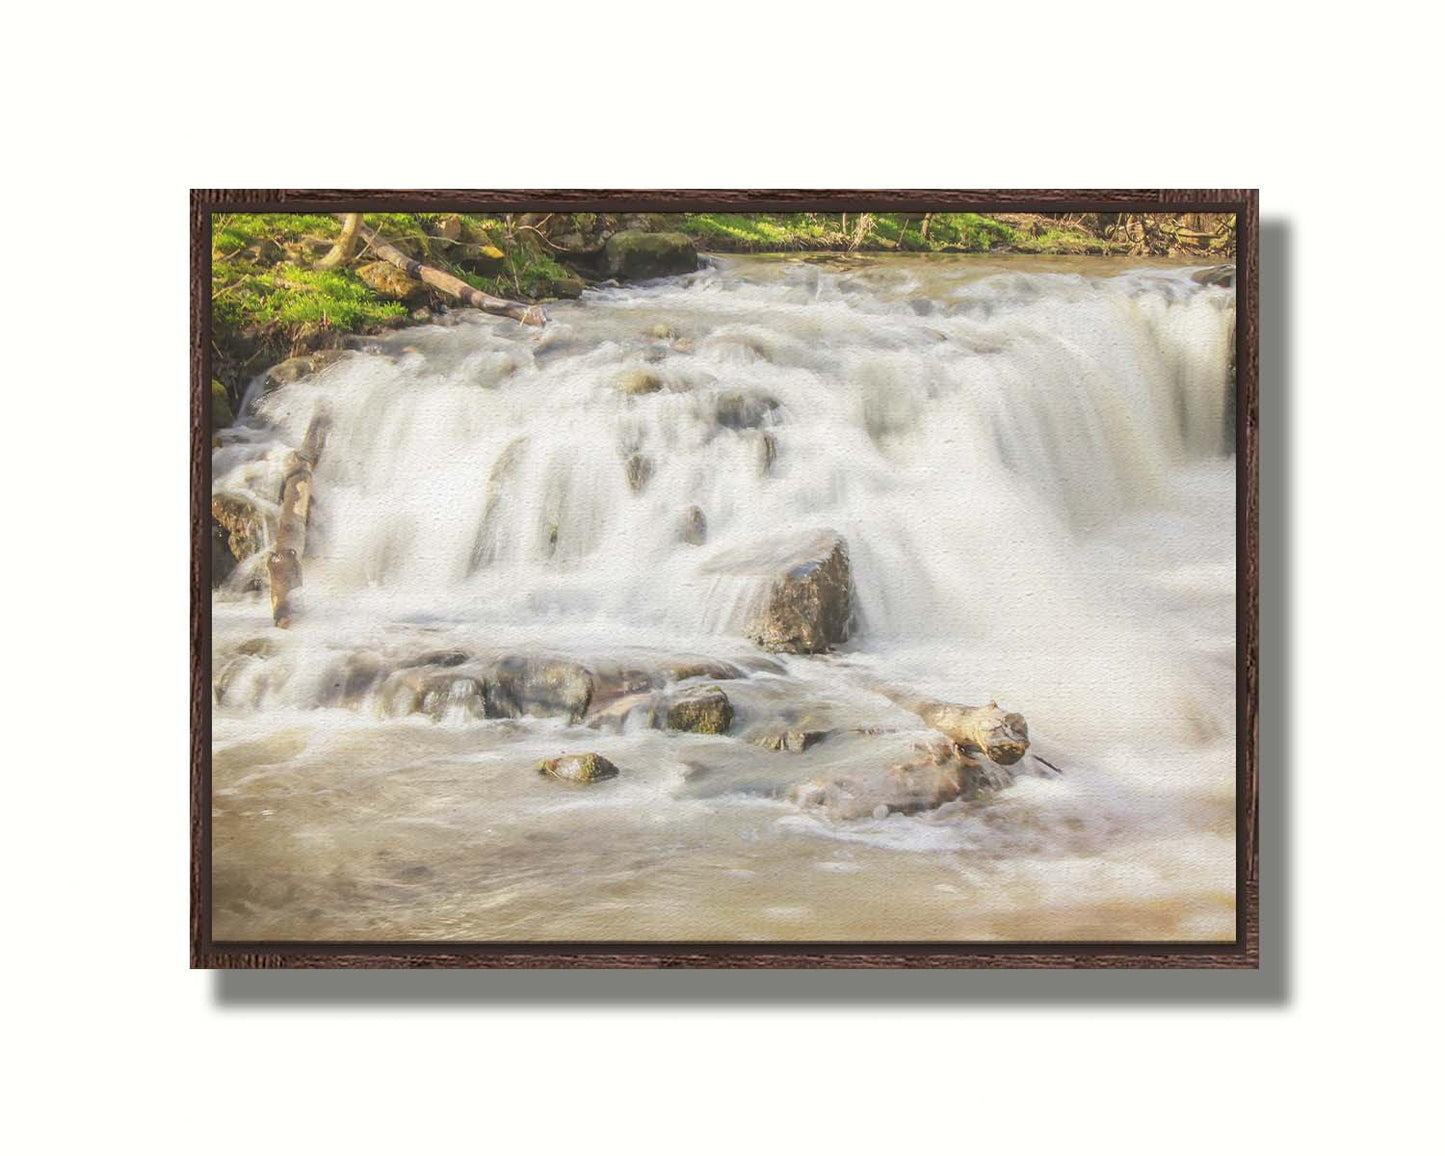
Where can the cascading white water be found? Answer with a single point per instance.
(1030, 466)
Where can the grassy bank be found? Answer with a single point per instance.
(270, 301)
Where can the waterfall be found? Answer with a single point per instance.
(1031, 468)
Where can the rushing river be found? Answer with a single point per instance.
(1030, 462)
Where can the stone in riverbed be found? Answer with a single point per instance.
(433, 693)
(548, 687)
(940, 773)
(639, 472)
(703, 711)
(244, 524)
(636, 382)
(580, 769)
(738, 410)
(693, 529)
(792, 740)
(635, 256)
(809, 606)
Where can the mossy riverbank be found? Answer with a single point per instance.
(272, 298)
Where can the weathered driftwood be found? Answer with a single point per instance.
(283, 566)
(1002, 736)
(987, 730)
(345, 247)
(451, 286)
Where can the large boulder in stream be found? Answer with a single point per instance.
(579, 769)
(807, 607)
(635, 256)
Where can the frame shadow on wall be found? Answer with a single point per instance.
(1269, 986)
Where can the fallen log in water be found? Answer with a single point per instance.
(445, 282)
(1002, 736)
(283, 566)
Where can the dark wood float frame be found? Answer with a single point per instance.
(1243, 952)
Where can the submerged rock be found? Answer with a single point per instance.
(348, 681)
(693, 528)
(635, 256)
(940, 773)
(433, 693)
(636, 382)
(547, 687)
(737, 409)
(639, 472)
(703, 711)
(790, 739)
(582, 769)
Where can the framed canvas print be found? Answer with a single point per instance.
(724, 579)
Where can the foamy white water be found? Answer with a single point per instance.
(1031, 467)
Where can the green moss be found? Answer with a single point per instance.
(782, 232)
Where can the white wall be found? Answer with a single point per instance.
(114, 117)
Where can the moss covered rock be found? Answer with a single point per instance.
(703, 711)
(635, 256)
(386, 280)
(580, 769)
(221, 414)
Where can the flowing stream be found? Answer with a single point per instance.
(1030, 461)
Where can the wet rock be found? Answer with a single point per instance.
(386, 280)
(569, 287)
(792, 740)
(221, 412)
(433, 693)
(767, 453)
(808, 607)
(938, 773)
(703, 711)
(581, 769)
(223, 562)
(1221, 275)
(639, 472)
(693, 528)
(298, 368)
(438, 658)
(258, 647)
(519, 685)
(738, 409)
(245, 526)
(637, 256)
(349, 680)
(421, 316)
(637, 382)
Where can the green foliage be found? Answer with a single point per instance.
(781, 232)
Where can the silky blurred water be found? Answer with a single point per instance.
(1030, 462)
